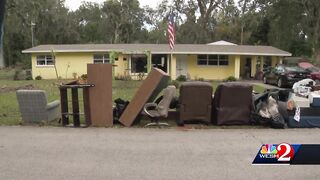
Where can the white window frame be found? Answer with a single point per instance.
(214, 57)
(135, 73)
(46, 58)
(105, 59)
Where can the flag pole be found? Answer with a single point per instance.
(171, 57)
(171, 38)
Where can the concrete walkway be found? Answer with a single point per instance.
(45, 153)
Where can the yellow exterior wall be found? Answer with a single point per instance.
(66, 63)
(76, 63)
(209, 72)
(69, 64)
(173, 66)
(274, 61)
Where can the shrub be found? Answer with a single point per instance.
(175, 83)
(181, 78)
(140, 76)
(84, 76)
(123, 77)
(196, 78)
(38, 77)
(17, 75)
(29, 78)
(230, 79)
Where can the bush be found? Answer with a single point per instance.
(84, 76)
(123, 77)
(175, 83)
(181, 78)
(230, 79)
(17, 75)
(196, 78)
(38, 77)
(29, 78)
(20, 74)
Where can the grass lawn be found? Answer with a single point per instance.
(9, 112)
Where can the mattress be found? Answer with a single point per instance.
(305, 122)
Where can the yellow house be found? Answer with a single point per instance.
(214, 61)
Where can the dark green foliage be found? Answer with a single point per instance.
(230, 79)
(16, 75)
(181, 78)
(175, 83)
(38, 77)
(29, 78)
(291, 25)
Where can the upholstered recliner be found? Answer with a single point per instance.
(195, 102)
(156, 111)
(232, 104)
(34, 107)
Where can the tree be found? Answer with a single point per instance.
(311, 17)
(287, 27)
(206, 20)
(228, 25)
(90, 23)
(124, 18)
(2, 11)
(53, 25)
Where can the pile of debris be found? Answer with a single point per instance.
(6, 89)
(296, 108)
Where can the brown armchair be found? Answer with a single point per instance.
(195, 102)
(232, 104)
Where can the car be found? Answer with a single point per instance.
(284, 75)
(313, 70)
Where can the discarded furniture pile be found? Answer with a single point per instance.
(306, 97)
(232, 103)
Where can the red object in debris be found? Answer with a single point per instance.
(313, 70)
(305, 65)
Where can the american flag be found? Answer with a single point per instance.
(171, 33)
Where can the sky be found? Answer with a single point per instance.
(74, 4)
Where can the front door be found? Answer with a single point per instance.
(182, 65)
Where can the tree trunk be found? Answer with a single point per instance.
(2, 9)
(241, 37)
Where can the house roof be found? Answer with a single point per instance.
(221, 43)
(161, 49)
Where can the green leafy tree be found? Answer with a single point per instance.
(124, 19)
(90, 23)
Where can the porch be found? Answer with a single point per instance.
(195, 66)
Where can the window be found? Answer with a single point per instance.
(45, 60)
(202, 59)
(223, 60)
(101, 58)
(138, 64)
(213, 60)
